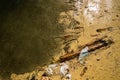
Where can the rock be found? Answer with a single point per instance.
(98, 59)
(117, 15)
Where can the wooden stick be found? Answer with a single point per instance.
(95, 44)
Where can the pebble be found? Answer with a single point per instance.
(98, 59)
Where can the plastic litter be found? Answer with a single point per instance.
(68, 76)
(49, 70)
(53, 66)
(84, 52)
(63, 69)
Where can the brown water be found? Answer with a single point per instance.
(27, 30)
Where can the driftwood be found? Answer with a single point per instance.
(93, 45)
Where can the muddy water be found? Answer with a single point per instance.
(27, 30)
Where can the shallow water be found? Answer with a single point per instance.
(27, 31)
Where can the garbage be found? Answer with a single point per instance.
(49, 71)
(50, 68)
(97, 43)
(84, 52)
(68, 76)
(64, 69)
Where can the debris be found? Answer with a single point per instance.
(93, 45)
(84, 52)
(49, 72)
(64, 69)
(50, 69)
(68, 76)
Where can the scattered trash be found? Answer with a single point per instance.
(64, 69)
(50, 68)
(49, 72)
(84, 52)
(68, 76)
(93, 45)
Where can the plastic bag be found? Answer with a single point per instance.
(63, 69)
(84, 52)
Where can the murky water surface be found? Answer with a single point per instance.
(27, 31)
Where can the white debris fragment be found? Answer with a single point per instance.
(83, 53)
(63, 69)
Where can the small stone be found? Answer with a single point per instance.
(106, 11)
(117, 15)
(98, 59)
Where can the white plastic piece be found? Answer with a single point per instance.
(83, 53)
(63, 69)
